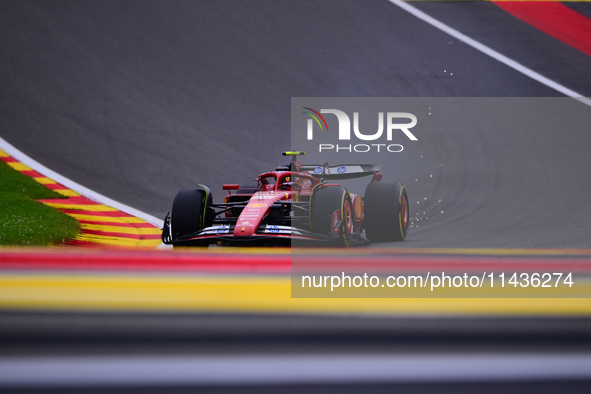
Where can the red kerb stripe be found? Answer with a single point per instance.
(229, 262)
(33, 174)
(56, 186)
(554, 19)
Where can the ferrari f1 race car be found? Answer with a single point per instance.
(292, 205)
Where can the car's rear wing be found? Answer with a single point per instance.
(341, 171)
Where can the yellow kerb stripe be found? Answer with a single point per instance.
(118, 241)
(121, 229)
(45, 181)
(67, 193)
(89, 207)
(19, 166)
(108, 219)
(255, 295)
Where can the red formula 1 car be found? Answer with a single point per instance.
(291, 204)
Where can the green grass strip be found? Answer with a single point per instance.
(24, 221)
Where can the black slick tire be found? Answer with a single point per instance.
(189, 212)
(387, 215)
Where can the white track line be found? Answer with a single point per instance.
(92, 195)
(104, 371)
(490, 52)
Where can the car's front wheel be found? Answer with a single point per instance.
(190, 212)
(325, 201)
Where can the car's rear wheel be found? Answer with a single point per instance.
(190, 212)
(324, 202)
(387, 214)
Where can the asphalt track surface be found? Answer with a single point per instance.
(139, 99)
